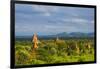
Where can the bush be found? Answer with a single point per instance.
(50, 51)
(22, 56)
(35, 61)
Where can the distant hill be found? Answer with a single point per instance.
(60, 35)
(75, 34)
(69, 35)
(64, 34)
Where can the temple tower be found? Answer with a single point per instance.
(57, 39)
(35, 41)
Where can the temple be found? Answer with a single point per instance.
(35, 41)
(57, 39)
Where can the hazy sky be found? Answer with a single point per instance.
(44, 20)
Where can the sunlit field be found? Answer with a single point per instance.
(51, 34)
(52, 51)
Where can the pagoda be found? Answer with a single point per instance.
(35, 41)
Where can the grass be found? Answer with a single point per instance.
(51, 51)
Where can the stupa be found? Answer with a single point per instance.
(35, 41)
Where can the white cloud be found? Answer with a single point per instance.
(63, 20)
(78, 20)
(92, 22)
(45, 10)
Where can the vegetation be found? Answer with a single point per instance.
(51, 51)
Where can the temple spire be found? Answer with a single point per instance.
(35, 41)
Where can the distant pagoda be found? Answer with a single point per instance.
(35, 41)
(57, 39)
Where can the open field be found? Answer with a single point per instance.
(51, 51)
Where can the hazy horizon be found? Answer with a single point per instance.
(53, 34)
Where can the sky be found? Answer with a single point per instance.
(49, 20)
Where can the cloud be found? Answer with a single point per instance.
(45, 10)
(51, 20)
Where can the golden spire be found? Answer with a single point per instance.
(35, 41)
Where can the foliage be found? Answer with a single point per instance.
(51, 51)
